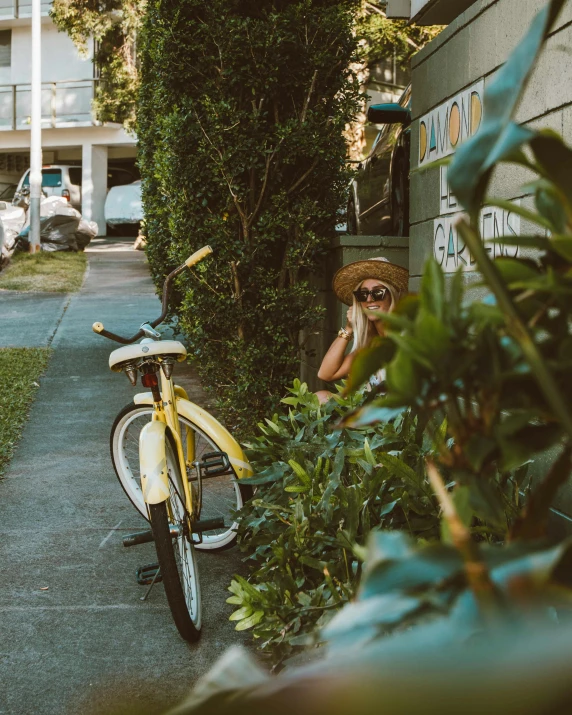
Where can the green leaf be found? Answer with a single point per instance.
(300, 472)
(297, 488)
(555, 158)
(407, 570)
(434, 336)
(551, 207)
(402, 376)
(249, 622)
(398, 468)
(433, 290)
(243, 612)
(368, 453)
(563, 246)
(373, 611)
(372, 413)
(513, 270)
(275, 472)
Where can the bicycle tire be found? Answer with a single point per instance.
(176, 556)
(221, 495)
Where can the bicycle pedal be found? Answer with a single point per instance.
(213, 464)
(146, 574)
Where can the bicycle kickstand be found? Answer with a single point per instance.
(148, 591)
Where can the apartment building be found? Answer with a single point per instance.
(70, 133)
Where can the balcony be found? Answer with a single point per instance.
(64, 104)
(14, 9)
(427, 12)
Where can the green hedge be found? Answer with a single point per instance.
(241, 117)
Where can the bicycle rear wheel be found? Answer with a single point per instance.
(176, 554)
(222, 495)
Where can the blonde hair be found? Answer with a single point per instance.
(359, 320)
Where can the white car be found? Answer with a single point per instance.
(123, 205)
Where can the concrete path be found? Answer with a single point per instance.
(74, 635)
(29, 320)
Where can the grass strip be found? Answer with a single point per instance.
(20, 371)
(47, 271)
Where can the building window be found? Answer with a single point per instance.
(5, 48)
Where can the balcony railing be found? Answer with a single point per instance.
(11, 9)
(64, 104)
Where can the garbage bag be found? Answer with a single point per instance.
(57, 233)
(85, 232)
(57, 205)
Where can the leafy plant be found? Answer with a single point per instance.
(320, 491)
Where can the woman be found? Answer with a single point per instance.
(369, 287)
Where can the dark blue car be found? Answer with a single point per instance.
(379, 196)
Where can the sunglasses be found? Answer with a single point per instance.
(377, 293)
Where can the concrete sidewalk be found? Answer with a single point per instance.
(74, 635)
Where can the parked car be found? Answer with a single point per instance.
(379, 194)
(123, 205)
(65, 180)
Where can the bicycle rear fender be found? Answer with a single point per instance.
(210, 426)
(153, 462)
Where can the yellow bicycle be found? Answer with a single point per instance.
(177, 464)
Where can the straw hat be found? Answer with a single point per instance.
(348, 277)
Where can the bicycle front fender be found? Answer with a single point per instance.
(211, 427)
(153, 462)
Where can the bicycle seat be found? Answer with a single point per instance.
(146, 349)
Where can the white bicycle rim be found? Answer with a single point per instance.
(220, 494)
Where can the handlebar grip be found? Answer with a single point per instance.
(97, 328)
(198, 256)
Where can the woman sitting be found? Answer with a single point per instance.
(369, 287)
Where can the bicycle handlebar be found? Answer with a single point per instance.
(191, 261)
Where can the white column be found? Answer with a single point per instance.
(36, 128)
(94, 184)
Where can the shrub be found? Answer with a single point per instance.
(241, 114)
(321, 490)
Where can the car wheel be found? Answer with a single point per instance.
(400, 200)
(352, 218)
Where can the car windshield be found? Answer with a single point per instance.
(7, 193)
(50, 178)
(118, 177)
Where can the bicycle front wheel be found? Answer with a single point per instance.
(222, 495)
(176, 554)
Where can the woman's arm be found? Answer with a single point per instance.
(336, 364)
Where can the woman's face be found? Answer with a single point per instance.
(370, 306)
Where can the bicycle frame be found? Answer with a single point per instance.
(175, 402)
